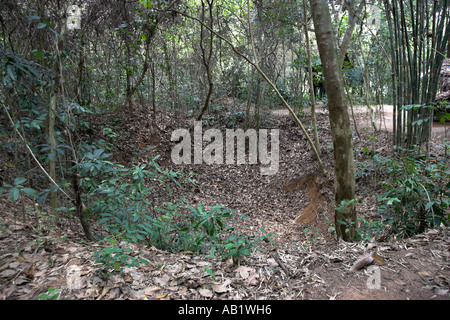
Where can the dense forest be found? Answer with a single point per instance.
(224, 149)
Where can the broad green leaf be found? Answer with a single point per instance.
(42, 198)
(30, 192)
(11, 72)
(19, 180)
(35, 124)
(98, 152)
(14, 194)
(101, 221)
(429, 205)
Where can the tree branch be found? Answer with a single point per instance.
(255, 65)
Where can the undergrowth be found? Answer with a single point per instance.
(118, 197)
(415, 194)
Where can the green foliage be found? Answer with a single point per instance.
(442, 112)
(120, 194)
(23, 81)
(369, 167)
(366, 228)
(416, 195)
(114, 258)
(119, 198)
(17, 187)
(52, 294)
(234, 119)
(204, 231)
(415, 107)
(237, 247)
(210, 272)
(344, 204)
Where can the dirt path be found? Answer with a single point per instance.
(384, 124)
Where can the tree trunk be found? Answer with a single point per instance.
(79, 92)
(52, 109)
(448, 49)
(206, 58)
(150, 28)
(52, 143)
(344, 183)
(80, 208)
(249, 101)
(258, 102)
(352, 16)
(153, 93)
(415, 61)
(310, 80)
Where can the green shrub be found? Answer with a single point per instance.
(114, 258)
(204, 231)
(416, 195)
(119, 199)
(118, 195)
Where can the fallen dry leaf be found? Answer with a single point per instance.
(248, 274)
(183, 291)
(151, 290)
(221, 288)
(205, 293)
(8, 273)
(243, 271)
(21, 280)
(253, 279)
(399, 282)
(162, 281)
(104, 292)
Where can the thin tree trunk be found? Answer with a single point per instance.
(365, 75)
(59, 43)
(249, 101)
(274, 88)
(80, 208)
(310, 80)
(52, 151)
(352, 15)
(206, 58)
(258, 102)
(418, 39)
(153, 92)
(150, 27)
(344, 175)
(353, 112)
(79, 87)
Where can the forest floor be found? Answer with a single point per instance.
(296, 205)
